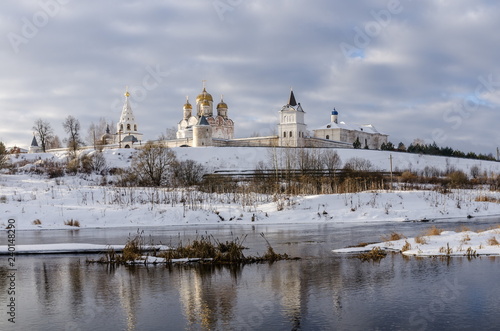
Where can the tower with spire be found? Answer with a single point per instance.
(34, 148)
(292, 129)
(126, 129)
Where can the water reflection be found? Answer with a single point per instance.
(321, 292)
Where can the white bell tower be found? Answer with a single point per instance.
(292, 129)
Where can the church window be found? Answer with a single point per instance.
(135, 127)
(121, 127)
(284, 134)
(327, 137)
(128, 127)
(290, 134)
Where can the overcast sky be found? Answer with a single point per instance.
(413, 69)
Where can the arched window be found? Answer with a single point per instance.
(128, 127)
(121, 127)
(135, 127)
(327, 137)
(284, 134)
(290, 134)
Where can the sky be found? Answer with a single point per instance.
(413, 69)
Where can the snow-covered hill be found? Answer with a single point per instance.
(247, 158)
(35, 201)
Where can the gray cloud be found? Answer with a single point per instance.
(417, 67)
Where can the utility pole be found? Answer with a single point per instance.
(390, 159)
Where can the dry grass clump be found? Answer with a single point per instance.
(487, 198)
(72, 222)
(272, 256)
(362, 244)
(207, 248)
(465, 239)
(470, 253)
(446, 250)
(133, 249)
(493, 241)
(420, 240)
(36, 222)
(406, 246)
(463, 228)
(376, 254)
(393, 236)
(493, 227)
(433, 231)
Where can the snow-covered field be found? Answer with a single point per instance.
(36, 202)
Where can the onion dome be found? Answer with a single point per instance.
(204, 96)
(335, 112)
(222, 104)
(187, 105)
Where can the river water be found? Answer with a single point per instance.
(322, 291)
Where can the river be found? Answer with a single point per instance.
(322, 291)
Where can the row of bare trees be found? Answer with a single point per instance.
(48, 140)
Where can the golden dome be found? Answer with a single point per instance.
(127, 94)
(204, 96)
(205, 103)
(221, 104)
(187, 105)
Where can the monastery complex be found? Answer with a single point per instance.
(202, 124)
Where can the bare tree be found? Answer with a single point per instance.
(171, 133)
(153, 165)
(188, 173)
(96, 131)
(99, 163)
(54, 142)
(4, 158)
(331, 161)
(44, 132)
(358, 164)
(72, 127)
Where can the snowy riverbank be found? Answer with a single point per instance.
(39, 203)
(447, 243)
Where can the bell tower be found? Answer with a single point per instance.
(292, 129)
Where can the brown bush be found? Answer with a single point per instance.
(393, 236)
(433, 231)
